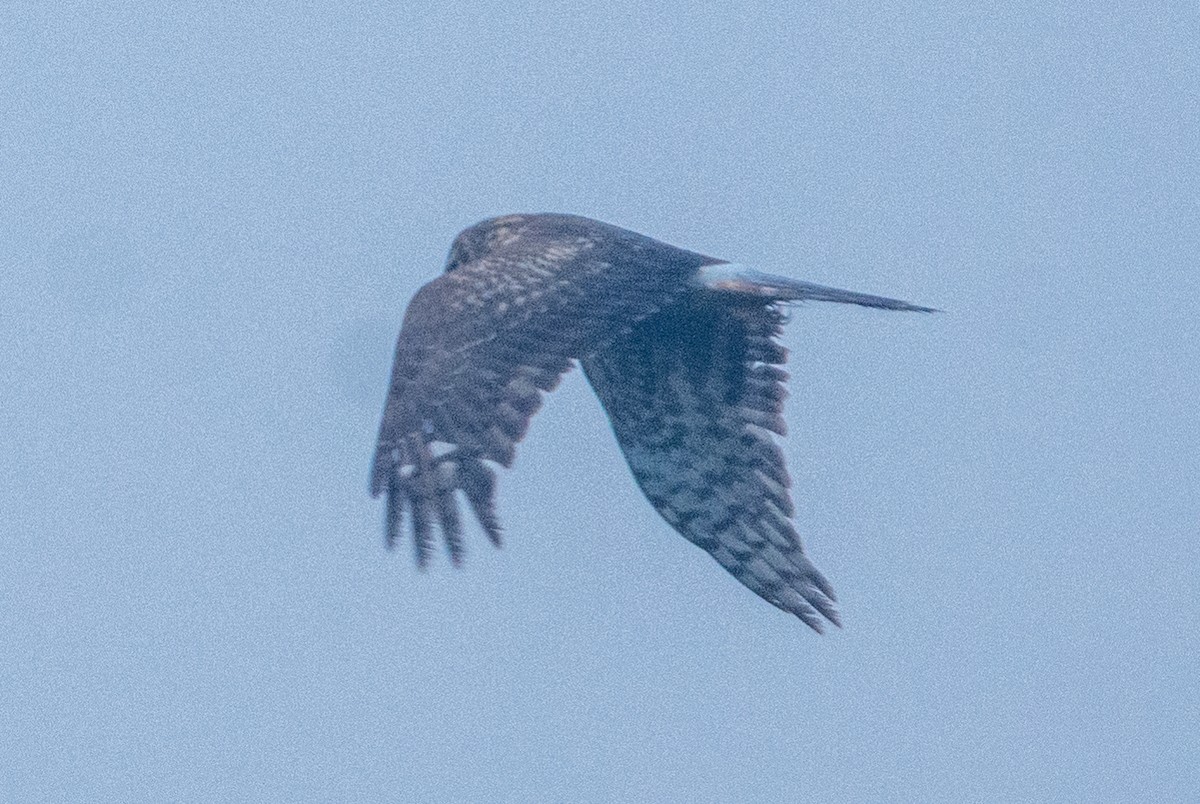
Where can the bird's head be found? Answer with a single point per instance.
(484, 237)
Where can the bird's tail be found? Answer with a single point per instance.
(733, 278)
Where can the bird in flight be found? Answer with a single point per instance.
(682, 350)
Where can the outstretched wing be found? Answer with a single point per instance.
(694, 395)
(481, 343)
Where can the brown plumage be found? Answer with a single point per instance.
(680, 348)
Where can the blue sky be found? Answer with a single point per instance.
(211, 221)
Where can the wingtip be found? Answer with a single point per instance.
(812, 622)
(816, 623)
(496, 536)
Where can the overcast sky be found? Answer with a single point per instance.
(211, 222)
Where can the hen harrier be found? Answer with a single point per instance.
(681, 349)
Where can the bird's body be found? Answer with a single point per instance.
(680, 348)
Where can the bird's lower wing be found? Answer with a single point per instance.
(478, 348)
(694, 395)
(451, 414)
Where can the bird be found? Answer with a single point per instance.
(682, 350)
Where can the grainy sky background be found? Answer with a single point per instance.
(211, 221)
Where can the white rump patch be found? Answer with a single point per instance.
(730, 276)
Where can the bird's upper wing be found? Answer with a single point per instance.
(482, 342)
(694, 394)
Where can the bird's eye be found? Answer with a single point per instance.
(456, 257)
